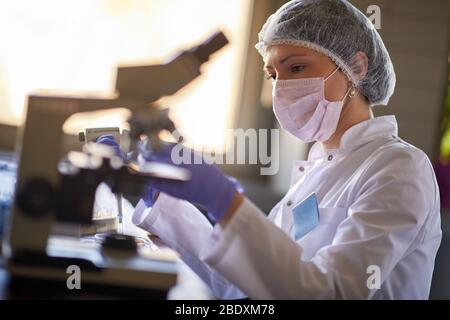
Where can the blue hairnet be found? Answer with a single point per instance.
(338, 30)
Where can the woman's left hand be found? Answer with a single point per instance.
(208, 186)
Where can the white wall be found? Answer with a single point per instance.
(416, 34)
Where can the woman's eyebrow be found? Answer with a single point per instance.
(287, 58)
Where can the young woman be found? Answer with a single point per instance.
(361, 219)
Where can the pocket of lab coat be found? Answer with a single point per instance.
(323, 234)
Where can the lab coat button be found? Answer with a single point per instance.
(289, 203)
(330, 157)
(301, 169)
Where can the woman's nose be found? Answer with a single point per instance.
(282, 76)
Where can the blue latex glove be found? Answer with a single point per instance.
(208, 186)
(150, 196)
(152, 193)
(109, 141)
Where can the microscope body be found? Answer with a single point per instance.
(44, 195)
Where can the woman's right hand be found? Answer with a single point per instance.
(109, 140)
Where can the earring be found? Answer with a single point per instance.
(352, 92)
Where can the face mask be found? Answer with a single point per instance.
(301, 108)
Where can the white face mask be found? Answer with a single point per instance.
(301, 108)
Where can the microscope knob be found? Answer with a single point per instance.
(35, 198)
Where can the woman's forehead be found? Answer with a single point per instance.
(275, 53)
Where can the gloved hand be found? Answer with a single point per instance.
(109, 141)
(208, 186)
(152, 194)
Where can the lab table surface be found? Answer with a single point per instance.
(190, 287)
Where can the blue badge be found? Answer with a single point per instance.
(306, 216)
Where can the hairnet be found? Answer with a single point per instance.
(338, 30)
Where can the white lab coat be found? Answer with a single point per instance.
(378, 206)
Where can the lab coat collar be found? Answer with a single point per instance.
(356, 136)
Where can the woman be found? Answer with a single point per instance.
(361, 219)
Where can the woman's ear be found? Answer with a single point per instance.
(360, 65)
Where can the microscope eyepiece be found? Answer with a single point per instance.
(214, 43)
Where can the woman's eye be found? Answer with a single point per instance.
(297, 69)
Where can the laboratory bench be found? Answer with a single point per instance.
(39, 289)
(188, 287)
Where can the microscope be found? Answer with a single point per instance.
(49, 191)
